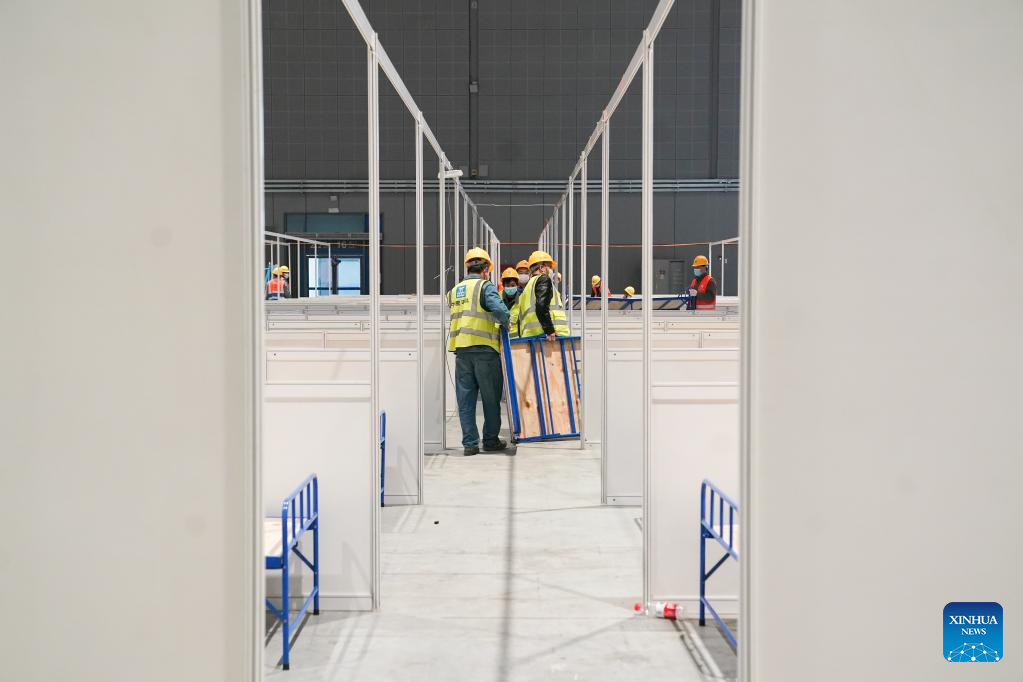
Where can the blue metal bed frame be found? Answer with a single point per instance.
(299, 513)
(662, 301)
(540, 371)
(383, 453)
(710, 527)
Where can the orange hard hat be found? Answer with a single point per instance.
(700, 261)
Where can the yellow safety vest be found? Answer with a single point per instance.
(471, 325)
(524, 318)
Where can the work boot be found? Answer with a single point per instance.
(495, 446)
(469, 452)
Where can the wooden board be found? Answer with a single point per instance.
(540, 363)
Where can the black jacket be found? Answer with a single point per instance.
(544, 292)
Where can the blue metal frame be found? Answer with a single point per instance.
(510, 377)
(300, 511)
(383, 453)
(709, 529)
(539, 369)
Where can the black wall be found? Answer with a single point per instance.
(544, 72)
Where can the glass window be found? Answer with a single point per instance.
(349, 276)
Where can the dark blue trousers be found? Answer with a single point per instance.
(478, 373)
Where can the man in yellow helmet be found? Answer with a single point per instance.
(477, 315)
(703, 290)
(279, 285)
(629, 292)
(509, 287)
(540, 309)
(522, 267)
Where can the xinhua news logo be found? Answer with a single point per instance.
(973, 632)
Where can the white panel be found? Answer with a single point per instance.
(324, 429)
(624, 449)
(293, 339)
(398, 400)
(312, 366)
(696, 436)
(129, 207)
(624, 459)
(883, 438)
(719, 339)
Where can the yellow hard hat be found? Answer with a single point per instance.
(522, 265)
(541, 257)
(510, 273)
(595, 279)
(630, 291)
(700, 260)
(276, 271)
(476, 253)
(285, 270)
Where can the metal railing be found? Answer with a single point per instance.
(300, 512)
(715, 527)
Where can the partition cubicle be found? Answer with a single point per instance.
(332, 368)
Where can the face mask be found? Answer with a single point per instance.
(523, 278)
(511, 291)
(698, 272)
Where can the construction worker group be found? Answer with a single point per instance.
(279, 284)
(529, 305)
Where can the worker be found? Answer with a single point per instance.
(477, 314)
(629, 292)
(540, 310)
(279, 285)
(703, 290)
(522, 267)
(595, 286)
(510, 284)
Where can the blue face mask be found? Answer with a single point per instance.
(698, 272)
(511, 291)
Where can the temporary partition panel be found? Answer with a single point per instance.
(315, 404)
(695, 436)
(684, 367)
(889, 439)
(397, 394)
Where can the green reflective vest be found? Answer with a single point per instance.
(471, 325)
(524, 317)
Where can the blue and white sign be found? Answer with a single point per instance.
(973, 632)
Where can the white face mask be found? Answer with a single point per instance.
(523, 278)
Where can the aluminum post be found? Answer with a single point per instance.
(459, 271)
(605, 193)
(583, 290)
(648, 298)
(442, 288)
(571, 255)
(373, 135)
(420, 309)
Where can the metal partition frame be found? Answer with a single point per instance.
(379, 62)
(643, 58)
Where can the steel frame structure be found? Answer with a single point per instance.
(378, 62)
(642, 60)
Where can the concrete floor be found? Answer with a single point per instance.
(512, 570)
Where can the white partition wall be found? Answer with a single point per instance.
(130, 136)
(883, 448)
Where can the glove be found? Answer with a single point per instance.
(692, 292)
